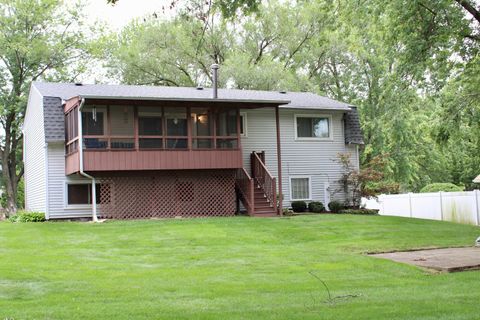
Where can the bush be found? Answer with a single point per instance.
(437, 187)
(360, 211)
(316, 206)
(336, 206)
(27, 217)
(299, 206)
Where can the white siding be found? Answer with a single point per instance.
(34, 154)
(315, 159)
(57, 183)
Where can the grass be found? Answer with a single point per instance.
(231, 268)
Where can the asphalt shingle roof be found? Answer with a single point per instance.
(353, 131)
(304, 100)
(53, 94)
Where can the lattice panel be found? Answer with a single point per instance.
(206, 193)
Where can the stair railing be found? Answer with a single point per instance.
(245, 187)
(264, 179)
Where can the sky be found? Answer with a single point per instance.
(118, 15)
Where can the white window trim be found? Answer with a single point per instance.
(309, 187)
(330, 127)
(245, 131)
(65, 196)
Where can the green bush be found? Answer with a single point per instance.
(299, 206)
(316, 206)
(23, 216)
(437, 187)
(360, 211)
(336, 206)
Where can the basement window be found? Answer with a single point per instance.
(81, 194)
(300, 188)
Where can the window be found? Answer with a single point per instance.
(243, 124)
(300, 188)
(81, 194)
(176, 119)
(92, 126)
(150, 127)
(317, 127)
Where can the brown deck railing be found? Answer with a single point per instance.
(264, 180)
(245, 187)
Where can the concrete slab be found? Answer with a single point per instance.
(448, 259)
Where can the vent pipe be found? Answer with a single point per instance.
(215, 80)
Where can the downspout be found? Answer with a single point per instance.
(80, 155)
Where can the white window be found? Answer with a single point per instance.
(313, 127)
(243, 124)
(300, 188)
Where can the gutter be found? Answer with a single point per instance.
(80, 154)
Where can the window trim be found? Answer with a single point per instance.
(320, 115)
(245, 131)
(65, 196)
(309, 187)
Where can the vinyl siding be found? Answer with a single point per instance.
(57, 184)
(315, 159)
(34, 154)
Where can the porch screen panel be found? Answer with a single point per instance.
(202, 128)
(176, 128)
(150, 127)
(122, 127)
(226, 129)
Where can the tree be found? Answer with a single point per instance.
(39, 40)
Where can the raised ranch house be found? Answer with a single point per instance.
(117, 151)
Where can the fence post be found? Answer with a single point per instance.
(410, 203)
(441, 205)
(476, 194)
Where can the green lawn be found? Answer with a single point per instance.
(231, 268)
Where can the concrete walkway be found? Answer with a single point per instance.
(449, 259)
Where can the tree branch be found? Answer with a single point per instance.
(470, 8)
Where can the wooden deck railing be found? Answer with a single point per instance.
(245, 187)
(264, 179)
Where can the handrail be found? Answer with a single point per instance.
(245, 186)
(265, 180)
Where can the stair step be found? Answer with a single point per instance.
(266, 206)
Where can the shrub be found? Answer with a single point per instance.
(23, 216)
(360, 211)
(437, 187)
(316, 206)
(336, 206)
(299, 206)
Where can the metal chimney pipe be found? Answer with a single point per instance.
(215, 80)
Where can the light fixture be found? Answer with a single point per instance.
(94, 114)
(202, 118)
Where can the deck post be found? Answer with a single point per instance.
(279, 163)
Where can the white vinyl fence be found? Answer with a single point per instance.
(461, 207)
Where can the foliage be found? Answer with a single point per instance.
(299, 206)
(359, 211)
(368, 182)
(20, 196)
(40, 40)
(25, 216)
(316, 206)
(336, 206)
(411, 67)
(437, 187)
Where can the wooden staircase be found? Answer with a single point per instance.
(259, 192)
(262, 206)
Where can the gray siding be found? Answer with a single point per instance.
(315, 159)
(34, 154)
(57, 183)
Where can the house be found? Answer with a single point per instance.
(118, 151)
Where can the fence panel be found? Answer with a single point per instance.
(460, 207)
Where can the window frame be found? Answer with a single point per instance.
(320, 115)
(244, 124)
(309, 187)
(65, 196)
